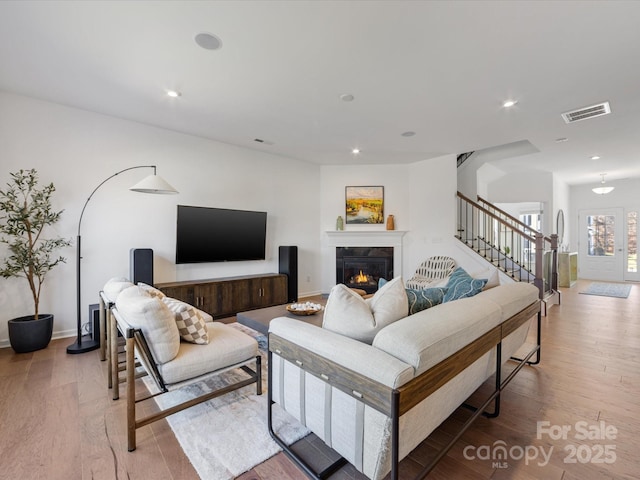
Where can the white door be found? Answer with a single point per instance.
(631, 245)
(601, 244)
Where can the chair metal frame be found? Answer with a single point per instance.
(138, 353)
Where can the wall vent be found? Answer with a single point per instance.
(587, 112)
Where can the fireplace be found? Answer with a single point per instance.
(362, 267)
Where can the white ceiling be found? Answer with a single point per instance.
(441, 69)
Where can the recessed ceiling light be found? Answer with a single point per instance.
(347, 97)
(173, 93)
(509, 103)
(355, 151)
(595, 157)
(408, 134)
(561, 139)
(208, 41)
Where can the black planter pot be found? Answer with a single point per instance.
(27, 334)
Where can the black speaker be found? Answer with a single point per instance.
(288, 265)
(94, 321)
(141, 265)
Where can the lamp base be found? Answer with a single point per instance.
(83, 345)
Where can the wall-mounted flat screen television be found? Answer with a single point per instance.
(219, 235)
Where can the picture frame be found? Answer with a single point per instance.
(364, 205)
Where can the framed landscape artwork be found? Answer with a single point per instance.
(364, 205)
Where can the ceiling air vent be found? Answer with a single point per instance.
(587, 112)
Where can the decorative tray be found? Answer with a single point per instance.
(306, 308)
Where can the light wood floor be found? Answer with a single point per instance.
(58, 422)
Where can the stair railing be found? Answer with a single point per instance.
(515, 222)
(524, 255)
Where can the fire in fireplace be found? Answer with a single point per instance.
(362, 267)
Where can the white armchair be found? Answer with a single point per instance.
(153, 341)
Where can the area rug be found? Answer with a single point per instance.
(228, 436)
(618, 290)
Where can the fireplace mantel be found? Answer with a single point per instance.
(364, 238)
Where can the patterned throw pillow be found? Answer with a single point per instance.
(153, 291)
(426, 298)
(191, 325)
(462, 285)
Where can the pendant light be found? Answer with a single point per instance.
(602, 190)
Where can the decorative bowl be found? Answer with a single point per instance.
(306, 308)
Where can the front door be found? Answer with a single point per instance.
(601, 244)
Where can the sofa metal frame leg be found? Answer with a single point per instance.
(496, 393)
(304, 466)
(395, 435)
(538, 345)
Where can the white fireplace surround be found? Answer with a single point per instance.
(363, 238)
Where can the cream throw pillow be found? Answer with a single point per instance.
(348, 314)
(114, 286)
(153, 317)
(491, 275)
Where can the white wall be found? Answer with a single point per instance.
(334, 179)
(530, 186)
(76, 150)
(432, 189)
(561, 201)
(421, 196)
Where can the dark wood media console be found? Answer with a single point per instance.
(225, 297)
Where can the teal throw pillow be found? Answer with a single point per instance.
(425, 298)
(462, 285)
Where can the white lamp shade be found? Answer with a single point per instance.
(602, 190)
(153, 184)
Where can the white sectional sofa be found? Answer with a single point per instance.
(374, 403)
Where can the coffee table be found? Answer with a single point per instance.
(259, 319)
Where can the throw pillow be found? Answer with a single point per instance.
(426, 298)
(114, 286)
(154, 318)
(348, 314)
(462, 285)
(191, 326)
(154, 292)
(492, 276)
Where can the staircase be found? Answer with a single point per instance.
(521, 252)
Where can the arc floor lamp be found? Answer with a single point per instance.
(150, 184)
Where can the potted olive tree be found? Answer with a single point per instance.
(25, 212)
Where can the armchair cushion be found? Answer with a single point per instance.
(154, 318)
(226, 347)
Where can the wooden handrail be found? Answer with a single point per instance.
(496, 217)
(510, 217)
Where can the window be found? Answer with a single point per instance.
(601, 235)
(632, 242)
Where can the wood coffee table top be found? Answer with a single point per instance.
(259, 319)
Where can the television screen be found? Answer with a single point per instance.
(219, 235)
